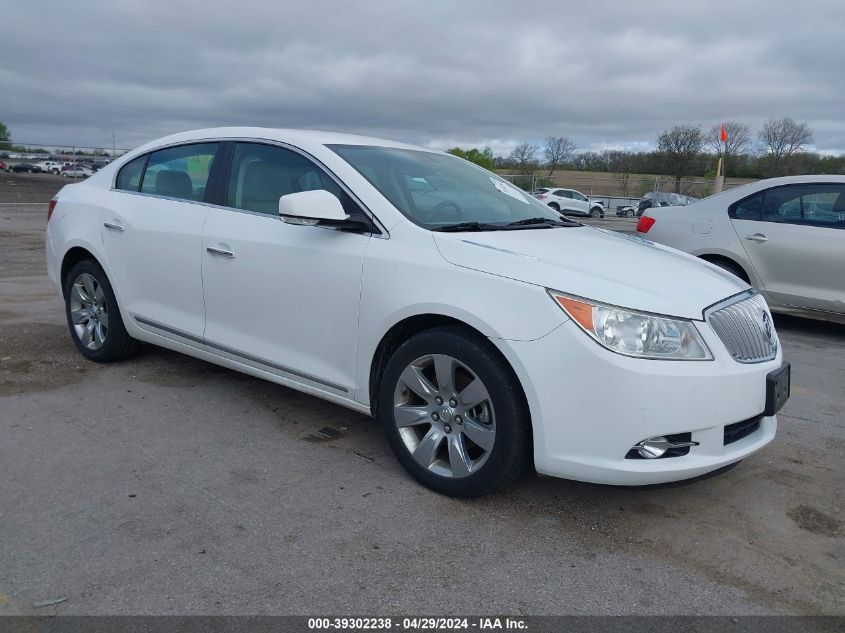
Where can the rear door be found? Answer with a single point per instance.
(152, 237)
(281, 297)
(795, 237)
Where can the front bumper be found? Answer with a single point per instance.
(589, 407)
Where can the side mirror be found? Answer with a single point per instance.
(311, 207)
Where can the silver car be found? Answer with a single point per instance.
(785, 236)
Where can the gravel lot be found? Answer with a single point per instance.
(166, 485)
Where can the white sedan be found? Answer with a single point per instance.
(412, 285)
(78, 171)
(785, 236)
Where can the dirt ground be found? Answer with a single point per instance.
(30, 187)
(166, 484)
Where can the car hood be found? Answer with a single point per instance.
(602, 265)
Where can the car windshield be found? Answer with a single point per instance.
(438, 191)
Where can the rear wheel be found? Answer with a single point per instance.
(453, 412)
(555, 206)
(93, 316)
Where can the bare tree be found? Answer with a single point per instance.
(619, 164)
(680, 148)
(738, 143)
(781, 138)
(524, 157)
(558, 150)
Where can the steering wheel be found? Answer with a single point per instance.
(442, 207)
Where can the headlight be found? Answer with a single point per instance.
(634, 333)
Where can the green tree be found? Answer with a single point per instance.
(483, 157)
(5, 137)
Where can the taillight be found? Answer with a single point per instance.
(644, 224)
(50, 208)
(541, 196)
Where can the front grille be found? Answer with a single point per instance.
(738, 430)
(745, 327)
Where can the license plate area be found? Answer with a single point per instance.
(777, 389)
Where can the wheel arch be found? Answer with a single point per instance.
(714, 258)
(413, 325)
(71, 258)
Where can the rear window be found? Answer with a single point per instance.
(129, 176)
(179, 172)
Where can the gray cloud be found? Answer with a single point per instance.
(610, 73)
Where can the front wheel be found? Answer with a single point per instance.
(93, 316)
(453, 412)
(595, 213)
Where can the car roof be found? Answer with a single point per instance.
(304, 139)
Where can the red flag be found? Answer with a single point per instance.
(724, 134)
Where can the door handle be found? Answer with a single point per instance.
(114, 226)
(757, 237)
(221, 252)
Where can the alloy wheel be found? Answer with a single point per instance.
(444, 415)
(89, 311)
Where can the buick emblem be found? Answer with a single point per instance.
(767, 325)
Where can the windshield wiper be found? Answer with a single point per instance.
(542, 222)
(468, 226)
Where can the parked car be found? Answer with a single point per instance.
(31, 168)
(3, 166)
(663, 199)
(77, 171)
(626, 211)
(50, 167)
(474, 324)
(785, 236)
(571, 202)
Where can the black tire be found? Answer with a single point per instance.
(731, 267)
(595, 213)
(117, 344)
(508, 456)
(555, 206)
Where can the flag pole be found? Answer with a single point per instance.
(719, 182)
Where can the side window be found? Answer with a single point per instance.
(261, 174)
(750, 208)
(180, 172)
(818, 204)
(578, 196)
(129, 176)
(563, 193)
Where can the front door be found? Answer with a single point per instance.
(278, 296)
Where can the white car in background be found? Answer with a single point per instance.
(78, 171)
(570, 202)
(785, 236)
(468, 319)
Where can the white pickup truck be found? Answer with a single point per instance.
(50, 167)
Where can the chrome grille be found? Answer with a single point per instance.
(746, 329)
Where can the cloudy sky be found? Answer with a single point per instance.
(437, 73)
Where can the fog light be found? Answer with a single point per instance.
(653, 447)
